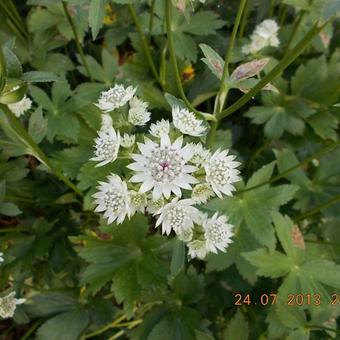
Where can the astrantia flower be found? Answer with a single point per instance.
(138, 202)
(115, 97)
(197, 248)
(186, 122)
(162, 127)
(218, 233)
(202, 192)
(8, 305)
(185, 235)
(20, 107)
(221, 173)
(265, 34)
(127, 141)
(178, 215)
(113, 199)
(154, 205)
(138, 113)
(163, 167)
(200, 154)
(107, 146)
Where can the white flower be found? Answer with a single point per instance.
(138, 113)
(197, 248)
(107, 146)
(138, 202)
(200, 154)
(218, 233)
(161, 127)
(202, 192)
(178, 215)
(1, 257)
(115, 97)
(127, 141)
(113, 199)
(185, 235)
(186, 122)
(154, 205)
(106, 122)
(163, 167)
(221, 173)
(20, 107)
(8, 305)
(265, 34)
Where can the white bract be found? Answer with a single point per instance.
(186, 122)
(200, 154)
(113, 199)
(8, 305)
(162, 167)
(127, 141)
(107, 145)
(138, 202)
(20, 107)
(178, 215)
(154, 205)
(197, 248)
(218, 233)
(202, 192)
(138, 113)
(265, 34)
(162, 127)
(115, 97)
(221, 173)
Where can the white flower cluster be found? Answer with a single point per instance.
(265, 34)
(8, 305)
(20, 107)
(162, 171)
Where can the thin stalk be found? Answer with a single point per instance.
(174, 63)
(104, 328)
(144, 42)
(117, 335)
(279, 68)
(282, 14)
(316, 209)
(271, 8)
(76, 38)
(27, 140)
(315, 155)
(244, 19)
(31, 330)
(326, 243)
(152, 10)
(296, 25)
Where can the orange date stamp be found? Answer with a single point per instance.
(292, 299)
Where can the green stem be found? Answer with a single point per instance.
(279, 68)
(294, 31)
(152, 10)
(27, 140)
(271, 8)
(244, 19)
(315, 155)
(31, 330)
(316, 209)
(282, 14)
(174, 63)
(326, 243)
(144, 42)
(76, 39)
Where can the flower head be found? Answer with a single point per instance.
(163, 167)
(161, 127)
(197, 248)
(138, 202)
(178, 215)
(107, 146)
(265, 34)
(154, 205)
(186, 122)
(186, 235)
(8, 305)
(200, 154)
(115, 97)
(138, 113)
(20, 107)
(113, 199)
(218, 233)
(221, 173)
(202, 192)
(127, 141)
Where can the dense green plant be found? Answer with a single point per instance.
(273, 100)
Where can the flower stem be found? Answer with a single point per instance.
(280, 67)
(296, 25)
(144, 42)
(152, 10)
(315, 155)
(316, 209)
(76, 39)
(173, 60)
(17, 129)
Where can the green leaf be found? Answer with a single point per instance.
(37, 125)
(203, 23)
(324, 125)
(178, 258)
(9, 209)
(96, 16)
(13, 65)
(270, 263)
(39, 77)
(213, 60)
(2, 190)
(238, 328)
(185, 46)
